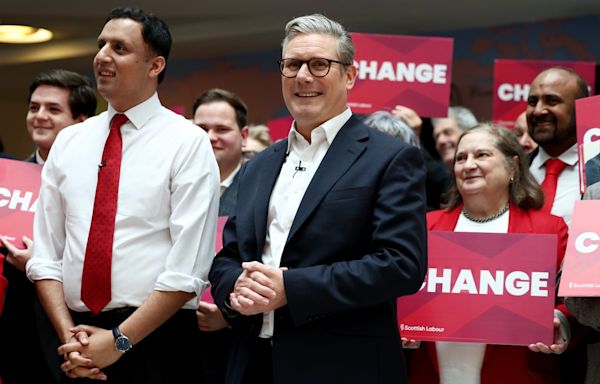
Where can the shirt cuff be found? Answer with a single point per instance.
(174, 281)
(43, 270)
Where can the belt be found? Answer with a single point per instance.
(105, 319)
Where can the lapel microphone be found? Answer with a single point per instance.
(299, 167)
(102, 164)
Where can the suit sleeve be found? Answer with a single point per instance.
(226, 268)
(396, 259)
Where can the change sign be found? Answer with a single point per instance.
(484, 287)
(19, 190)
(395, 70)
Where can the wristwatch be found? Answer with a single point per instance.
(122, 342)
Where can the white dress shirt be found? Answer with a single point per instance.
(567, 188)
(303, 160)
(460, 363)
(38, 157)
(166, 211)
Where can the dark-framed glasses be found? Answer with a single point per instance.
(317, 66)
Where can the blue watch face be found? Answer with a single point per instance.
(122, 344)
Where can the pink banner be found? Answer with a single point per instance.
(588, 138)
(486, 288)
(513, 77)
(279, 128)
(402, 70)
(581, 267)
(206, 296)
(19, 189)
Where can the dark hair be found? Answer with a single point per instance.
(217, 94)
(82, 97)
(582, 86)
(524, 191)
(155, 31)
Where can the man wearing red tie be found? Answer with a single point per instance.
(551, 123)
(126, 219)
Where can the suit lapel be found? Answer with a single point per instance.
(269, 171)
(347, 146)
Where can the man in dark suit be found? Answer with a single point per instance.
(57, 99)
(2, 154)
(310, 270)
(592, 170)
(223, 115)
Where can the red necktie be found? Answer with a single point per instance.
(553, 168)
(95, 284)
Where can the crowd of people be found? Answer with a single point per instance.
(325, 228)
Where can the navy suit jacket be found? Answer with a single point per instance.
(357, 242)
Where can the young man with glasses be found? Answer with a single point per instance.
(310, 271)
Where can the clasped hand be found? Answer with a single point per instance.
(258, 289)
(88, 351)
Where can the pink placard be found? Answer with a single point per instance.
(486, 288)
(588, 139)
(513, 77)
(19, 190)
(581, 267)
(413, 71)
(206, 296)
(279, 128)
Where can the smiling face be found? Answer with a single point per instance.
(314, 100)
(521, 131)
(125, 68)
(480, 168)
(551, 110)
(48, 114)
(226, 137)
(446, 133)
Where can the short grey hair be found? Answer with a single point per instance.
(392, 125)
(317, 23)
(465, 119)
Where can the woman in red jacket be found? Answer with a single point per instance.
(493, 192)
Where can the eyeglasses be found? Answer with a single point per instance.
(317, 66)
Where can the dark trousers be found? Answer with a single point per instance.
(170, 354)
(214, 348)
(28, 341)
(251, 361)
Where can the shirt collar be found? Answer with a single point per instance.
(38, 157)
(229, 179)
(569, 157)
(141, 113)
(331, 128)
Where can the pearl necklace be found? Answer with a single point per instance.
(485, 219)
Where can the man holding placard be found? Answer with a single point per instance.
(57, 99)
